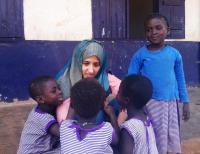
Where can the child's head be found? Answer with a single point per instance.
(87, 97)
(45, 90)
(135, 90)
(156, 28)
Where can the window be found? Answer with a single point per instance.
(109, 19)
(123, 19)
(174, 10)
(11, 19)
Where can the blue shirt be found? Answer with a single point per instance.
(164, 67)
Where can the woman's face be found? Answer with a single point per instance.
(90, 67)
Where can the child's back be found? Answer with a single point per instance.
(85, 135)
(96, 139)
(143, 135)
(137, 135)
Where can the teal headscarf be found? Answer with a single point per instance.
(72, 71)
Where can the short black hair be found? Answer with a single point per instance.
(156, 16)
(87, 97)
(138, 89)
(36, 85)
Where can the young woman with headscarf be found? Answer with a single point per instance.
(88, 60)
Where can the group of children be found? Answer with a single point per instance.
(148, 94)
(80, 133)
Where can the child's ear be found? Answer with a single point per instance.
(39, 99)
(125, 103)
(126, 100)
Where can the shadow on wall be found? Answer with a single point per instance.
(21, 61)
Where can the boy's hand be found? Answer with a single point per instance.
(122, 116)
(186, 112)
(110, 112)
(110, 97)
(108, 109)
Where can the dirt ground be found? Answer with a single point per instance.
(13, 116)
(190, 131)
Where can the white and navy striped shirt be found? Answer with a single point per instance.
(34, 137)
(143, 135)
(96, 141)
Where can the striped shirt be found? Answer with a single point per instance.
(143, 135)
(96, 141)
(35, 137)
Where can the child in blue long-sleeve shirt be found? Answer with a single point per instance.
(163, 65)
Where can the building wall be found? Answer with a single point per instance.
(72, 20)
(57, 19)
(22, 61)
(192, 20)
(65, 20)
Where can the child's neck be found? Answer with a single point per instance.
(87, 123)
(138, 114)
(47, 108)
(153, 47)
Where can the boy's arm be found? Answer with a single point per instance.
(182, 89)
(113, 119)
(126, 144)
(54, 129)
(122, 116)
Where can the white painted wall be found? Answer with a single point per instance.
(57, 19)
(192, 20)
(72, 20)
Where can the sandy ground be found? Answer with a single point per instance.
(190, 131)
(13, 116)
